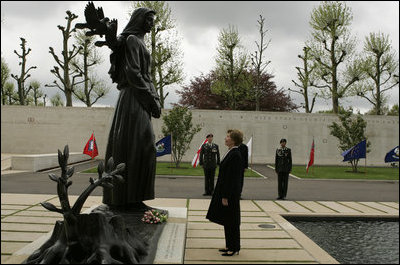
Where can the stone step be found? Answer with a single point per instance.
(5, 163)
(36, 162)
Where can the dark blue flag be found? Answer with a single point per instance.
(393, 155)
(356, 152)
(163, 147)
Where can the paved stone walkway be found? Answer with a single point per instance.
(24, 221)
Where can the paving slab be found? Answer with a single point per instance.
(13, 207)
(315, 207)
(338, 207)
(243, 226)
(293, 206)
(199, 204)
(38, 213)
(243, 234)
(12, 247)
(381, 207)
(249, 255)
(27, 227)
(8, 212)
(247, 205)
(362, 208)
(27, 199)
(31, 219)
(167, 202)
(20, 236)
(391, 204)
(244, 219)
(246, 243)
(270, 206)
(246, 262)
(242, 213)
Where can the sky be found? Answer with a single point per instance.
(198, 24)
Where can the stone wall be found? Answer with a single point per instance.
(40, 130)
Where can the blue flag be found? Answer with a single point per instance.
(356, 152)
(163, 147)
(393, 155)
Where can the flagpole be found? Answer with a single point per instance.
(365, 169)
(252, 151)
(93, 145)
(171, 152)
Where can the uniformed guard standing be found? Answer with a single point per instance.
(283, 166)
(209, 159)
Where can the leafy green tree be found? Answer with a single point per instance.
(67, 85)
(332, 46)
(231, 64)
(167, 57)
(394, 111)
(10, 94)
(341, 110)
(5, 74)
(381, 67)
(350, 131)
(36, 92)
(23, 92)
(179, 124)
(56, 101)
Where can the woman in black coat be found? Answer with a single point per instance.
(224, 207)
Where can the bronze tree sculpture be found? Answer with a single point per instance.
(87, 238)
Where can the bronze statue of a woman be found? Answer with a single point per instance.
(131, 139)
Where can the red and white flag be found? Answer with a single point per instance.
(311, 161)
(91, 147)
(196, 157)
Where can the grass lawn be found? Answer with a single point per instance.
(186, 169)
(339, 172)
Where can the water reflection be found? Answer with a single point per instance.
(355, 241)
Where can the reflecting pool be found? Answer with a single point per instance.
(354, 241)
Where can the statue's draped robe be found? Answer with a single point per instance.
(131, 139)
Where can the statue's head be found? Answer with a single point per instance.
(141, 22)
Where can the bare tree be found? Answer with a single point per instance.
(67, 85)
(307, 79)
(22, 90)
(92, 89)
(258, 63)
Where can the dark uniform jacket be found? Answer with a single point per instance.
(209, 155)
(283, 160)
(244, 151)
(228, 186)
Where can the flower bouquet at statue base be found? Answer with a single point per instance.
(154, 216)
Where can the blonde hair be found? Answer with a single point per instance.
(236, 136)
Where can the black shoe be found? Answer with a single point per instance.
(230, 253)
(223, 250)
(279, 198)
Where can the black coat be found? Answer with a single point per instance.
(228, 186)
(283, 160)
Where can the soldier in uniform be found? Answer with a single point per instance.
(283, 166)
(209, 159)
